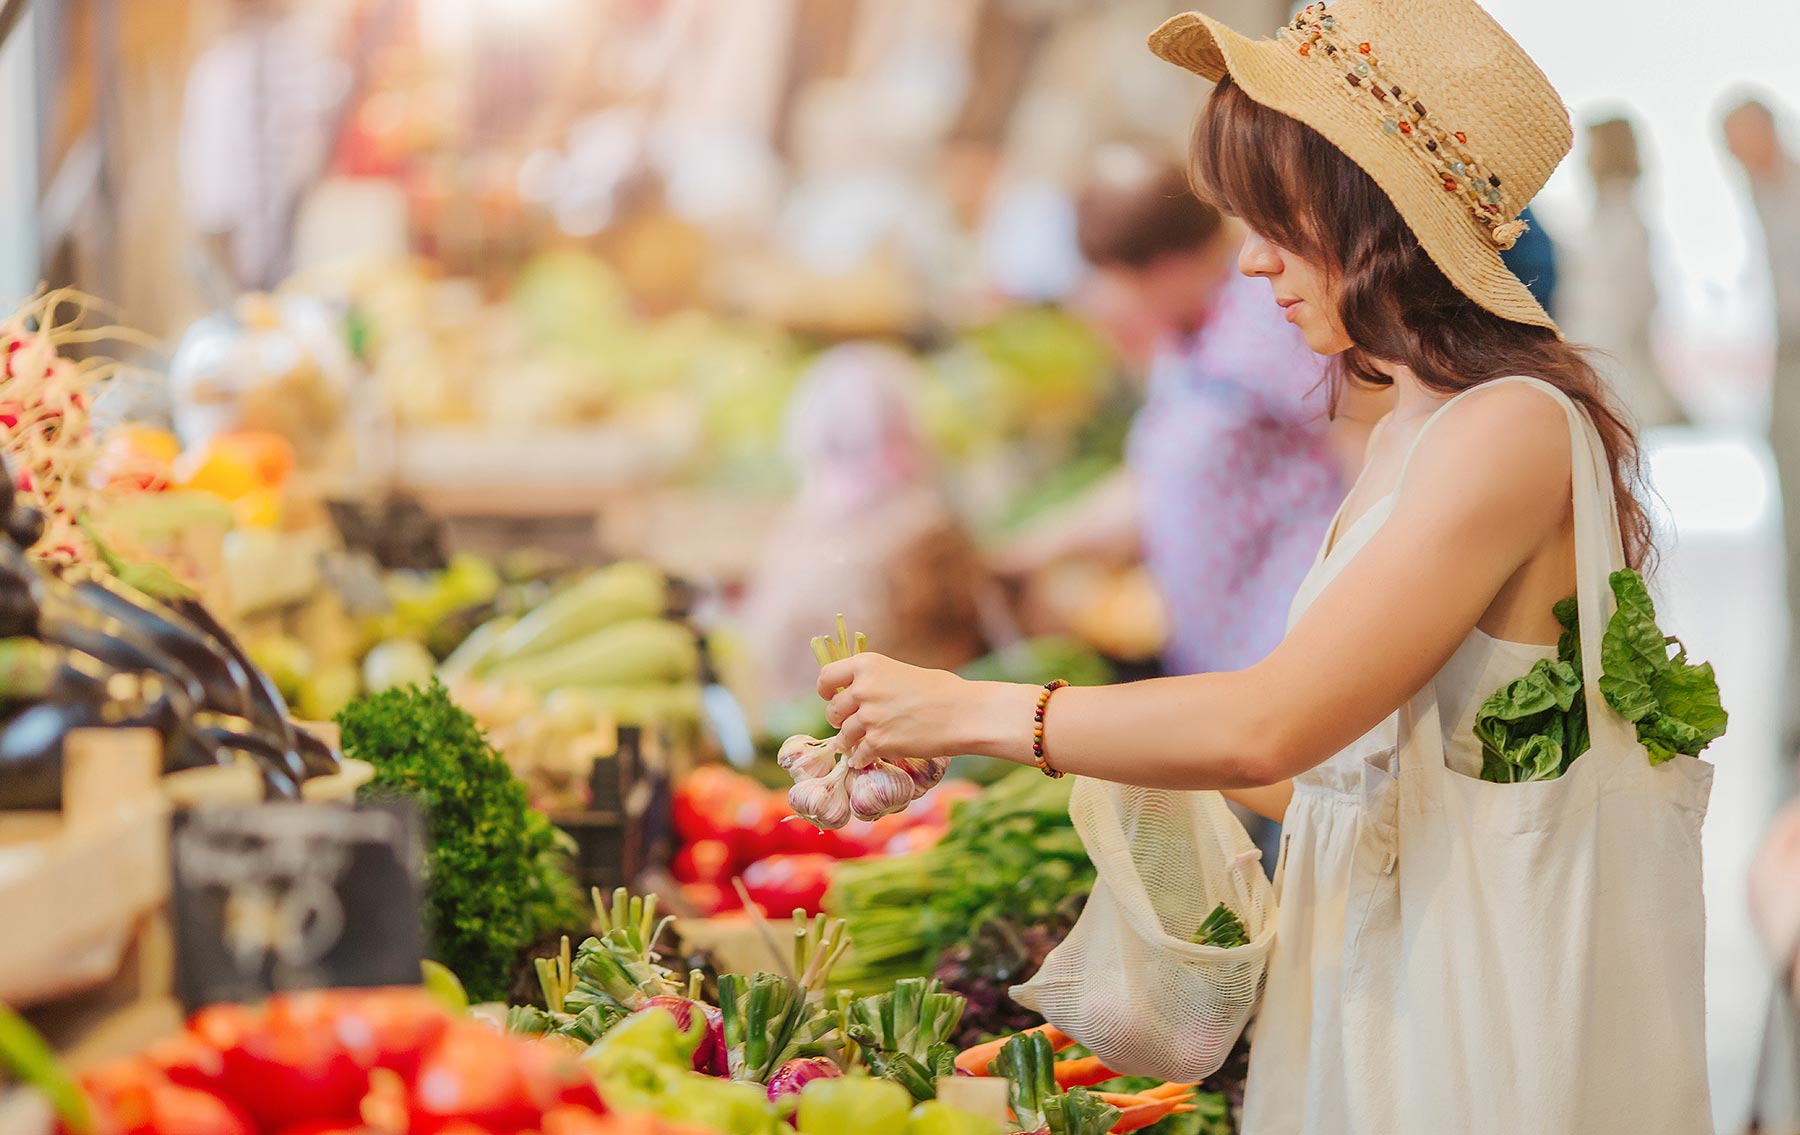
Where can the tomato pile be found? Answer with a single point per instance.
(350, 1062)
(733, 827)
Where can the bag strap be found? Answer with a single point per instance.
(1599, 551)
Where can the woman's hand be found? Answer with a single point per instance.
(888, 709)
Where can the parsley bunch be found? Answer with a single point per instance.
(494, 874)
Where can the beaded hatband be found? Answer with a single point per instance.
(1317, 35)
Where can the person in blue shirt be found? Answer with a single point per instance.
(1533, 261)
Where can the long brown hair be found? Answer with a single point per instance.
(1302, 193)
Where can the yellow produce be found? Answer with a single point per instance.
(329, 690)
(636, 652)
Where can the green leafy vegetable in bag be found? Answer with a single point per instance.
(1674, 704)
(1222, 928)
(1535, 726)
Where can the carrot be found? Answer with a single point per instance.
(1144, 1114)
(1170, 1091)
(976, 1059)
(1084, 1072)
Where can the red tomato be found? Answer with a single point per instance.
(703, 861)
(800, 837)
(708, 804)
(783, 883)
(471, 1074)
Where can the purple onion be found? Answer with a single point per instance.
(710, 1056)
(791, 1077)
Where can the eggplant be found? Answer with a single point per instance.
(223, 678)
(279, 765)
(83, 693)
(24, 525)
(319, 758)
(267, 707)
(118, 646)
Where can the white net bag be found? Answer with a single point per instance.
(1128, 982)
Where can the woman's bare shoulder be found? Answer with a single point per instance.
(1503, 447)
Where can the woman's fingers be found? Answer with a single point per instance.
(836, 676)
(843, 704)
(851, 734)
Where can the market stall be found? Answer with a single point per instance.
(407, 721)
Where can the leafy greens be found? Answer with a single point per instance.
(1535, 726)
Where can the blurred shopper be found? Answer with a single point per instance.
(867, 533)
(1234, 465)
(255, 133)
(1612, 292)
(1775, 909)
(1533, 261)
(1774, 179)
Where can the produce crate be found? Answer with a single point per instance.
(77, 884)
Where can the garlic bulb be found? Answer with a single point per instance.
(924, 771)
(805, 758)
(878, 790)
(825, 800)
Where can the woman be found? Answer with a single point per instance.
(1450, 954)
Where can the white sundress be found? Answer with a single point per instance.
(1329, 1043)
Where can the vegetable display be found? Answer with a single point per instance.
(832, 786)
(1010, 854)
(383, 1061)
(734, 829)
(111, 644)
(494, 873)
(45, 429)
(1534, 727)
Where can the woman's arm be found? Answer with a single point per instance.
(1270, 801)
(1488, 487)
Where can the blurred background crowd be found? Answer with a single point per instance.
(901, 310)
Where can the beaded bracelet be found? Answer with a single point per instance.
(1037, 729)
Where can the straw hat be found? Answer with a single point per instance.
(1431, 98)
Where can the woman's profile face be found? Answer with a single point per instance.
(1303, 289)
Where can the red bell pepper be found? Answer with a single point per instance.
(285, 1064)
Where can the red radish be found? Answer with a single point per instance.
(710, 1056)
(793, 1076)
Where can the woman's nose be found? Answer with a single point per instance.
(1258, 257)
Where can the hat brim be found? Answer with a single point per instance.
(1274, 75)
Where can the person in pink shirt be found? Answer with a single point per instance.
(1236, 461)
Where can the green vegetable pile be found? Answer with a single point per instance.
(1222, 928)
(1011, 853)
(494, 872)
(1028, 1063)
(1534, 727)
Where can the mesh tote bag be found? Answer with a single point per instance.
(1128, 982)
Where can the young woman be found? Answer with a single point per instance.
(1450, 954)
